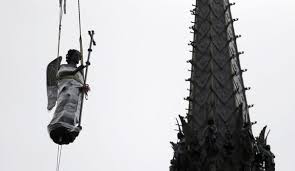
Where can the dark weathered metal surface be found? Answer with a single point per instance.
(217, 134)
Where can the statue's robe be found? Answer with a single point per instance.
(63, 128)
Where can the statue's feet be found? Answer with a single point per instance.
(63, 134)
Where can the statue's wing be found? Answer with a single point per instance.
(51, 72)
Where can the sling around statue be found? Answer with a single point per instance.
(65, 88)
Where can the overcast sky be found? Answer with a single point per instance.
(137, 78)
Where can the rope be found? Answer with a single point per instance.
(59, 27)
(57, 159)
(59, 149)
(80, 31)
(65, 6)
(63, 9)
(82, 59)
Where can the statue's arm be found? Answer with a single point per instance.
(80, 68)
(67, 73)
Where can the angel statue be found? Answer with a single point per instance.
(65, 88)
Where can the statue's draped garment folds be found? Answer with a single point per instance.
(65, 91)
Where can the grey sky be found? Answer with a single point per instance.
(137, 79)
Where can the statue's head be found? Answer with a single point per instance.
(73, 56)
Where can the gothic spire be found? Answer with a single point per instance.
(217, 132)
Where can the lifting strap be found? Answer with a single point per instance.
(59, 26)
(80, 31)
(62, 6)
(59, 149)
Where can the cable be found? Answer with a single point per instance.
(80, 31)
(59, 27)
(58, 157)
(82, 61)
